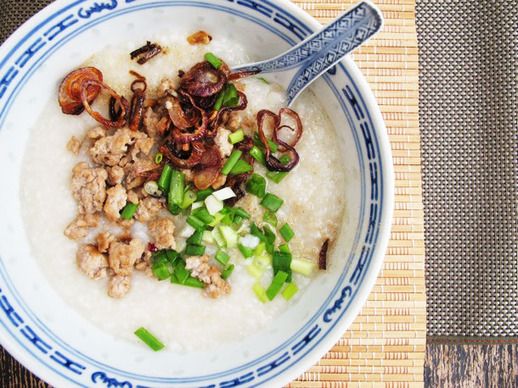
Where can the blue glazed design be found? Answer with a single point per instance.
(324, 49)
(21, 324)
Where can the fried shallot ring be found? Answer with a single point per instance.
(70, 89)
(203, 80)
(136, 113)
(123, 103)
(193, 159)
(200, 129)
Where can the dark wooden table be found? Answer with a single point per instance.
(459, 366)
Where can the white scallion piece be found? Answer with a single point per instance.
(224, 193)
(250, 241)
(213, 204)
(187, 231)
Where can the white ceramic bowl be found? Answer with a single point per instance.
(48, 336)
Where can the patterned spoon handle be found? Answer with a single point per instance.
(305, 62)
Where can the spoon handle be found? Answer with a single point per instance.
(322, 50)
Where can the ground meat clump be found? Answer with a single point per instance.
(221, 140)
(80, 227)
(122, 257)
(104, 240)
(116, 198)
(91, 262)
(74, 145)
(162, 233)
(115, 175)
(148, 209)
(119, 286)
(89, 188)
(200, 268)
(110, 150)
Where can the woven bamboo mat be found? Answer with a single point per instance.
(385, 346)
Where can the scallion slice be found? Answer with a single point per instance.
(195, 222)
(188, 199)
(176, 192)
(149, 339)
(202, 194)
(196, 237)
(159, 157)
(256, 185)
(129, 211)
(282, 262)
(227, 272)
(165, 178)
(260, 292)
(240, 212)
(258, 155)
(236, 137)
(194, 250)
(213, 60)
(286, 232)
(276, 176)
(278, 280)
(231, 162)
(241, 167)
(270, 218)
(222, 257)
(245, 251)
(303, 266)
(290, 290)
(203, 215)
(193, 282)
(272, 202)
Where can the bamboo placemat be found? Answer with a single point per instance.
(385, 346)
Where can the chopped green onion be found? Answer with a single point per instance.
(213, 60)
(219, 101)
(161, 266)
(149, 339)
(290, 290)
(276, 176)
(229, 235)
(172, 255)
(277, 283)
(224, 194)
(208, 238)
(260, 249)
(231, 96)
(241, 167)
(286, 232)
(270, 238)
(222, 257)
(217, 219)
(257, 154)
(181, 273)
(202, 194)
(282, 262)
(159, 157)
(188, 199)
(165, 178)
(246, 252)
(263, 261)
(255, 271)
(227, 272)
(197, 205)
(284, 159)
(303, 266)
(270, 218)
(151, 187)
(256, 185)
(240, 212)
(213, 205)
(203, 215)
(260, 292)
(129, 211)
(236, 137)
(195, 222)
(194, 250)
(284, 248)
(193, 282)
(176, 192)
(218, 237)
(196, 238)
(272, 202)
(231, 162)
(273, 146)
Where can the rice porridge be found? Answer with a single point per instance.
(181, 317)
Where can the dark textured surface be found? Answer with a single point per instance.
(468, 116)
(469, 366)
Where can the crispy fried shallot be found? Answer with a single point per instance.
(322, 257)
(203, 80)
(71, 87)
(121, 101)
(146, 52)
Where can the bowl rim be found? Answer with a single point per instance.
(385, 155)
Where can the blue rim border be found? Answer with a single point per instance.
(340, 99)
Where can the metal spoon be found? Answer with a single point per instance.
(298, 67)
